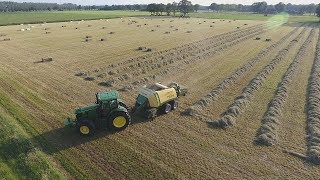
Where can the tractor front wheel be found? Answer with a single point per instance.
(86, 128)
(119, 121)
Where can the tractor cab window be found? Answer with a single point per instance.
(113, 104)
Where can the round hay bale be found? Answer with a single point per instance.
(141, 48)
(46, 59)
(81, 74)
(89, 78)
(107, 83)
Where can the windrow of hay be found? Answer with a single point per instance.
(313, 109)
(184, 55)
(228, 118)
(268, 132)
(167, 64)
(235, 76)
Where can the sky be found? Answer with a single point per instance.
(201, 2)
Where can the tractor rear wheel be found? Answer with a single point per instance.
(123, 105)
(119, 121)
(167, 108)
(86, 127)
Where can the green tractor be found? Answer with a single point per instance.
(108, 112)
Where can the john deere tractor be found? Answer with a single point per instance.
(108, 112)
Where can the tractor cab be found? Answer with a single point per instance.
(106, 102)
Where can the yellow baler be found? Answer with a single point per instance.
(158, 98)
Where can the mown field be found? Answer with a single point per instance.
(59, 16)
(17, 18)
(252, 110)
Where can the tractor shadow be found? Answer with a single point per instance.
(63, 138)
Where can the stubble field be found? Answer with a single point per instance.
(252, 110)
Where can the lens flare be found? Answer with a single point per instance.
(277, 20)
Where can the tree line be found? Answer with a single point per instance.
(263, 8)
(7, 6)
(184, 7)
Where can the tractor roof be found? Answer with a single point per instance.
(107, 95)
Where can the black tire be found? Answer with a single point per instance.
(174, 104)
(123, 105)
(86, 127)
(119, 121)
(166, 108)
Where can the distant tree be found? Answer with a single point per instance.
(196, 7)
(152, 8)
(136, 7)
(161, 8)
(280, 7)
(169, 8)
(240, 7)
(271, 10)
(214, 7)
(311, 8)
(259, 7)
(318, 10)
(174, 8)
(185, 7)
